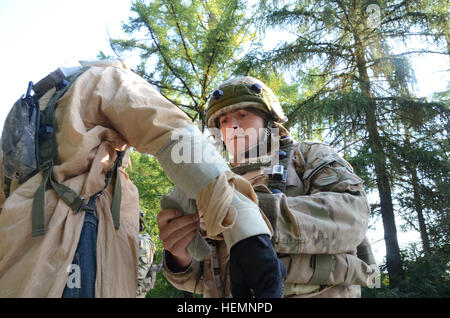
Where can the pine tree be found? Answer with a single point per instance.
(187, 47)
(365, 87)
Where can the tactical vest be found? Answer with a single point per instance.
(323, 264)
(29, 147)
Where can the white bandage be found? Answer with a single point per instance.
(191, 161)
(249, 221)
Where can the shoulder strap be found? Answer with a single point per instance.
(47, 155)
(117, 195)
(47, 132)
(323, 265)
(244, 168)
(278, 185)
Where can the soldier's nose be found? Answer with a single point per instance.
(234, 123)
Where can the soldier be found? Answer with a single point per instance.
(67, 229)
(146, 273)
(315, 203)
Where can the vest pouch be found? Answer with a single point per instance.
(286, 237)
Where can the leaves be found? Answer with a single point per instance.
(187, 47)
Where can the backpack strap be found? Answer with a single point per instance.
(244, 168)
(72, 199)
(7, 186)
(278, 184)
(47, 132)
(47, 154)
(117, 196)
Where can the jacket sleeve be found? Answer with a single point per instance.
(135, 109)
(346, 269)
(331, 215)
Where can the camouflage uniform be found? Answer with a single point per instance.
(145, 275)
(324, 212)
(319, 222)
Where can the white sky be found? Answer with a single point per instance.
(38, 36)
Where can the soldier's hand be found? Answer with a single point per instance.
(176, 232)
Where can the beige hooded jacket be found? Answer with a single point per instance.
(108, 108)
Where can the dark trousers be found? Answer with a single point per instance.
(81, 278)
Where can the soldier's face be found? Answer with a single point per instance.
(240, 130)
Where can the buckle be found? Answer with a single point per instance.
(275, 172)
(85, 206)
(82, 206)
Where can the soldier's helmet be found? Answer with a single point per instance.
(243, 92)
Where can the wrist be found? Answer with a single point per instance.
(177, 264)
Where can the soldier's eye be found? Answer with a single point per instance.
(242, 113)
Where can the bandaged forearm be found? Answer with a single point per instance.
(196, 168)
(248, 221)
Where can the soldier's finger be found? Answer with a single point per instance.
(165, 216)
(180, 246)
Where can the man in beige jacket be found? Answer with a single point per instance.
(314, 201)
(109, 109)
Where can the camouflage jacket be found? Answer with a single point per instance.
(146, 277)
(318, 225)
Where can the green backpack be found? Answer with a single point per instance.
(29, 147)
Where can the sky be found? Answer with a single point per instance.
(38, 36)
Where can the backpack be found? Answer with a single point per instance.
(29, 147)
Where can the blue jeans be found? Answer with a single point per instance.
(81, 278)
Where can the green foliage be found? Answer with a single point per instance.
(152, 182)
(425, 277)
(335, 76)
(357, 91)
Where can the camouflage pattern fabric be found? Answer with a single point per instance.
(146, 277)
(19, 140)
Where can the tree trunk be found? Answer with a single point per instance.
(418, 206)
(393, 258)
